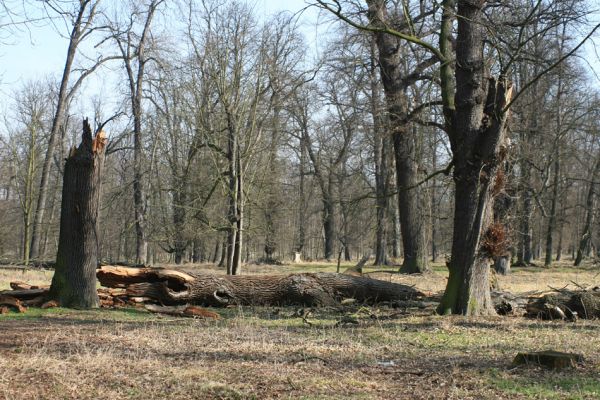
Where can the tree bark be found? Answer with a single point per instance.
(74, 281)
(312, 289)
(475, 119)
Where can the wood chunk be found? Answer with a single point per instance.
(18, 285)
(12, 302)
(50, 304)
(35, 302)
(182, 311)
(4, 310)
(549, 359)
(195, 311)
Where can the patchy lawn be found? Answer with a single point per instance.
(337, 353)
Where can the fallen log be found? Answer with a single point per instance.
(313, 289)
(10, 301)
(25, 294)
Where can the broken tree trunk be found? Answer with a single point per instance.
(313, 289)
(74, 281)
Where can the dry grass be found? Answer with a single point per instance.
(271, 353)
(34, 277)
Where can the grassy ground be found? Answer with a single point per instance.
(273, 353)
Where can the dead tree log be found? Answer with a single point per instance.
(312, 289)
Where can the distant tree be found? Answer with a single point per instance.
(81, 20)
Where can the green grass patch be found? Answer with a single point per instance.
(548, 386)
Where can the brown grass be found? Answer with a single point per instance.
(272, 353)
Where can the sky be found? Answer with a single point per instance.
(40, 51)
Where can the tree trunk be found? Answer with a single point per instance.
(328, 227)
(396, 226)
(74, 281)
(301, 240)
(586, 236)
(434, 200)
(272, 205)
(223, 257)
(552, 216)
(475, 119)
(235, 217)
(411, 221)
(381, 145)
(525, 254)
(179, 220)
(394, 86)
(312, 289)
(217, 251)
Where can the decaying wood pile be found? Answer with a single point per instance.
(566, 304)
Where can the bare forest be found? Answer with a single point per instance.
(435, 157)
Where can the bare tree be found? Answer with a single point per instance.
(133, 49)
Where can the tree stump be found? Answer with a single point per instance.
(74, 281)
(549, 359)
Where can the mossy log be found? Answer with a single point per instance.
(313, 289)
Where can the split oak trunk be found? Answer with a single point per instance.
(312, 289)
(74, 281)
(475, 118)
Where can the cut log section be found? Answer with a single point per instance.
(313, 289)
(549, 359)
(10, 301)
